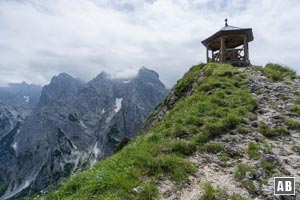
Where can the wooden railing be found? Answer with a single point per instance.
(229, 54)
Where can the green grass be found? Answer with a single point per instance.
(183, 147)
(240, 175)
(268, 166)
(241, 170)
(254, 150)
(188, 79)
(297, 101)
(258, 68)
(219, 103)
(276, 72)
(212, 193)
(220, 148)
(292, 124)
(243, 130)
(148, 191)
(272, 132)
(296, 109)
(296, 148)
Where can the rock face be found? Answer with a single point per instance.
(16, 103)
(73, 125)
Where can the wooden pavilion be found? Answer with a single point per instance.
(229, 45)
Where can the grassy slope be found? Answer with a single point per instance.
(219, 103)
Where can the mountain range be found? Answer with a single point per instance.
(49, 133)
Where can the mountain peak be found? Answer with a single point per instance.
(61, 88)
(63, 76)
(147, 75)
(103, 75)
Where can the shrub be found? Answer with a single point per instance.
(212, 147)
(258, 68)
(214, 129)
(243, 130)
(148, 191)
(240, 175)
(253, 150)
(178, 168)
(202, 137)
(297, 101)
(296, 109)
(268, 132)
(241, 170)
(293, 124)
(179, 131)
(278, 131)
(184, 84)
(268, 166)
(276, 72)
(296, 148)
(231, 121)
(211, 193)
(220, 149)
(183, 147)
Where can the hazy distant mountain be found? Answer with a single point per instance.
(72, 126)
(16, 102)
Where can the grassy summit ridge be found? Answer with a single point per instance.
(219, 102)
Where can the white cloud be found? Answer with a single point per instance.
(40, 39)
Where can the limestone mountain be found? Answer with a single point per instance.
(73, 125)
(16, 102)
(220, 133)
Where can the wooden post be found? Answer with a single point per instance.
(245, 48)
(222, 50)
(207, 57)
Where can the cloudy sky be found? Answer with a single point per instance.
(39, 39)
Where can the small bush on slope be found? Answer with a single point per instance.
(211, 193)
(219, 103)
(272, 132)
(254, 149)
(293, 124)
(277, 72)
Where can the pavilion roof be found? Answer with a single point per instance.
(232, 32)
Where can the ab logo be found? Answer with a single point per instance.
(284, 185)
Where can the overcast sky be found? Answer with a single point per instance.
(40, 39)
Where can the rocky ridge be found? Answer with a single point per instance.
(277, 102)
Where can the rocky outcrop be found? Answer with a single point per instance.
(16, 102)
